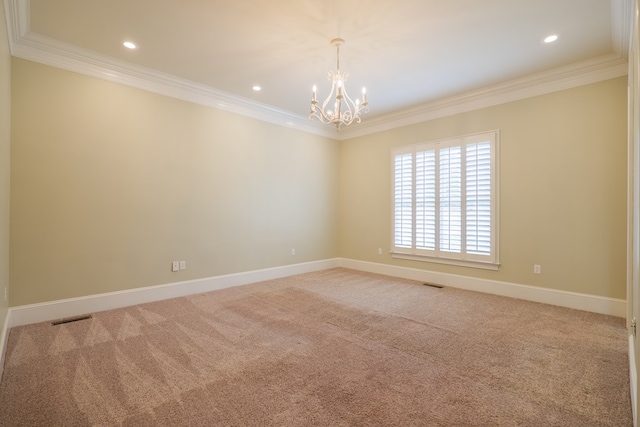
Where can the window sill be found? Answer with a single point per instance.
(457, 262)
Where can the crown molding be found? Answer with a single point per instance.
(17, 17)
(34, 47)
(579, 74)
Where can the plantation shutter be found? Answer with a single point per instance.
(403, 203)
(451, 199)
(478, 198)
(444, 203)
(426, 200)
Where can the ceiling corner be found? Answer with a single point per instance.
(621, 20)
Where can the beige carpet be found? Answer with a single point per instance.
(332, 348)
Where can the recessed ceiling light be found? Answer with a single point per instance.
(551, 38)
(257, 88)
(129, 45)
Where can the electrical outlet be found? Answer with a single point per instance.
(537, 269)
(6, 294)
(183, 265)
(175, 266)
(293, 251)
(379, 251)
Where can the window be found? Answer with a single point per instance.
(445, 201)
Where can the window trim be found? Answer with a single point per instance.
(491, 262)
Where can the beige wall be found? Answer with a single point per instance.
(5, 138)
(110, 184)
(562, 195)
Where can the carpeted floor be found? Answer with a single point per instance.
(331, 348)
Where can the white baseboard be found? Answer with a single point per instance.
(596, 304)
(35, 313)
(4, 338)
(53, 310)
(633, 380)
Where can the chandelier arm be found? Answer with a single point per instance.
(322, 113)
(351, 107)
(334, 81)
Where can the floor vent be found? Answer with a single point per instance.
(71, 319)
(433, 285)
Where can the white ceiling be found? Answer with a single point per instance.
(412, 55)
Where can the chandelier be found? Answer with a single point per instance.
(345, 110)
